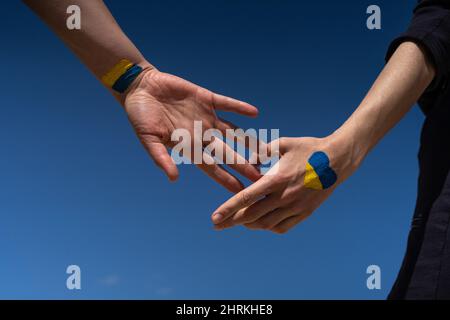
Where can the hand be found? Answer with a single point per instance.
(279, 200)
(158, 103)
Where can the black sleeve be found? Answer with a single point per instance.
(430, 29)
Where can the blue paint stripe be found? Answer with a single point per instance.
(328, 178)
(321, 164)
(122, 84)
(319, 159)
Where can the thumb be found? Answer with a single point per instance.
(162, 159)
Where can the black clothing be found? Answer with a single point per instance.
(425, 271)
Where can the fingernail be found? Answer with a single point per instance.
(217, 217)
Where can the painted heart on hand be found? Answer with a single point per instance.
(318, 174)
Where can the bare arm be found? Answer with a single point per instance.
(281, 200)
(397, 88)
(156, 103)
(99, 44)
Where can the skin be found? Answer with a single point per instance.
(156, 103)
(279, 201)
(161, 103)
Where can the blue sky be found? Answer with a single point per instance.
(76, 187)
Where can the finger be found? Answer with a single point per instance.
(260, 151)
(162, 159)
(252, 213)
(271, 153)
(226, 155)
(278, 146)
(233, 132)
(246, 197)
(244, 138)
(222, 177)
(224, 103)
(287, 224)
(271, 219)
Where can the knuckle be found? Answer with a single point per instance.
(250, 226)
(245, 198)
(225, 212)
(254, 225)
(266, 226)
(263, 225)
(290, 196)
(279, 230)
(305, 213)
(282, 140)
(282, 178)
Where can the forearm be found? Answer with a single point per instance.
(397, 88)
(100, 43)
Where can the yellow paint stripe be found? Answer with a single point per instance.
(312, 180)
(116, 72)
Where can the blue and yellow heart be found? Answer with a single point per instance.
(319, 175)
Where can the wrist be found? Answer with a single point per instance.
(347, 152)
(146, 69)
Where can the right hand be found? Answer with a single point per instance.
(280, 200)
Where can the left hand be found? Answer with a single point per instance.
(159, 103)
(280, 200)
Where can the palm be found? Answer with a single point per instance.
(161, 103)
